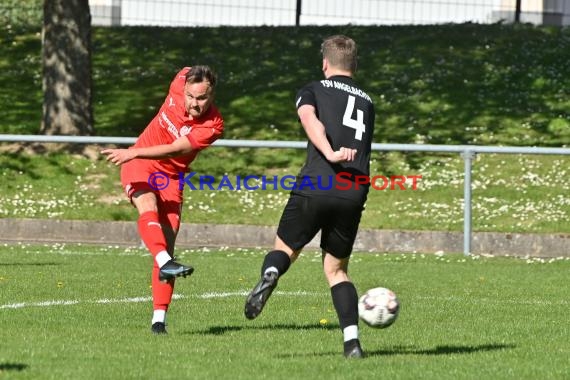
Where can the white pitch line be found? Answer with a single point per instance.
(206, 295)
(75, 302)
(243, 293)
(127, 300)
(38, 304)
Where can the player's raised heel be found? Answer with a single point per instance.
(258, 297)
(173, 269)
(353, 350)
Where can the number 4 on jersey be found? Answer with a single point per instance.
(357, 124)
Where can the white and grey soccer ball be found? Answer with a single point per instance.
(378, 307)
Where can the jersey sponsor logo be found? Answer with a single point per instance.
(185, 130)
(170, 125)
(171, 102)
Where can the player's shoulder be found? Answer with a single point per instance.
(212, 119)
(182, 73)
(216, 118)
(180, 77)
(312, 85)
(308, 88)
(214, 113)
(324, 85)
(178, 82)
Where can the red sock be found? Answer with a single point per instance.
(151, 233)
(161, 291)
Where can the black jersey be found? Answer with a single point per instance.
(348, 115)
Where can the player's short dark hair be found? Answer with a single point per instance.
(340, 51)
(201, 73)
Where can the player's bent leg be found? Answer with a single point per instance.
(158, 223)
(150, 227)
(260, 294)
(275, 264)
(172, 269)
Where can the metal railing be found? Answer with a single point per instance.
(467, 152)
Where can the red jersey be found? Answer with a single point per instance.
(173, 121)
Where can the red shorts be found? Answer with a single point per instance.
(142, 175)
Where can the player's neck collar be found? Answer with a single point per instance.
(339, 76)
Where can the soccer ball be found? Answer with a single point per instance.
(378, 307)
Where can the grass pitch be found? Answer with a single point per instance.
(84, 312)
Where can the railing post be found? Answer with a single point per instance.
(468, 156)
(518, 11)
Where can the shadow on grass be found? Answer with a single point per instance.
(220, 330)
(397, 350)
(28, 264)
(403, 350)
(5, 367)
(440, 350)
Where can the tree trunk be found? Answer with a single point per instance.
(66, 41)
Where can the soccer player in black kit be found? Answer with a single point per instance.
(331, 189)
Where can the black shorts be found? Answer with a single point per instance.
(336, 218)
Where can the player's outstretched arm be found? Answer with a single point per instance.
(315, 131)
(179, 147)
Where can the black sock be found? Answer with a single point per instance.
(277, 259)
(345, 301)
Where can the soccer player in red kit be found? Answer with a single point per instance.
(186, 123)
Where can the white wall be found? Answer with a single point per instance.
(322, 12)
